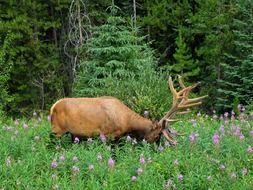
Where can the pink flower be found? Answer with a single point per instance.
(62, 158)
(76, 141)
(102, 137)
(99, 157)
(110, 163)
(91, 167)
(193, 137)
(216, 139)
(134, 178)
(75, 169)
(180, 177)
(75, 159)
(242, 137)
(142, 159)
(139, 171)
(54, 164)
(25, 126)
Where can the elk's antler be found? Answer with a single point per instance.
(181, 102)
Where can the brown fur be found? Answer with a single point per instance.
(87, 117)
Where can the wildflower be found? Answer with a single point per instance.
(139, 171)
(198, 114)
(168, 184)
(222, 167)
(244, 171)
(36, 138)
(99, 157)
(176, 162)
(233, 175)
(216, 138)
(75, 169)
(54, 164)
(193, 137)
(166, 143)
(146, 114)
(160, 148)
(110, 163)
(102, 137)
(35, 114)
(8, 162)
(25, 126)
(128, 138)
(242, 137)
(62, 158)
(194, 123)
(54, 176)
(91, 167)
(16, 122)
(76, 140)
(134, 141)
(180, 177)
(251, 133)
(209, 178)
(142, 159)
(249, 149)
(89, 140)
(75, 159)
(226, 114)
(222, 129)
(134, 178)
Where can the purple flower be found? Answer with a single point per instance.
(222, 129)
(75, 169)
(193, 137)
(176, 162)
(222, 167)
(8, 162)
(25, 126)
(62, 158)
(226, 114)
(134, 178)
(91, 167)
(76, 141)
(54, 164)
(249, 149)
(216, 139)
(180, 177)
(74, 159)
(102, 137)
(99, 157)
(142, 159)
(242, 137)
(110, 163)
(209, 178)
(139, 171)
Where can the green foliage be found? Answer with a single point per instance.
(236, 81)
(30, 55)
(114, 51)
(184, 64)
(27, 153)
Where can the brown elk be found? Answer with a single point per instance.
(88, 117)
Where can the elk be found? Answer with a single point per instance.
(89, 117)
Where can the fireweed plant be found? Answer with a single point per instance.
(216, 152)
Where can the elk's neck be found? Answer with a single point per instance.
(139, 123)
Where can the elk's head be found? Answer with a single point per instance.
(181, 102)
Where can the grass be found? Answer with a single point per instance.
(31, 160)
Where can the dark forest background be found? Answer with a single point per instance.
(62, 48)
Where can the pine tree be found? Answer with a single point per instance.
(236, 85)
(184, 63)
(113, 52)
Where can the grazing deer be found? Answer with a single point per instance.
(88, 117)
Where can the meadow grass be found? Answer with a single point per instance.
(213, 154)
